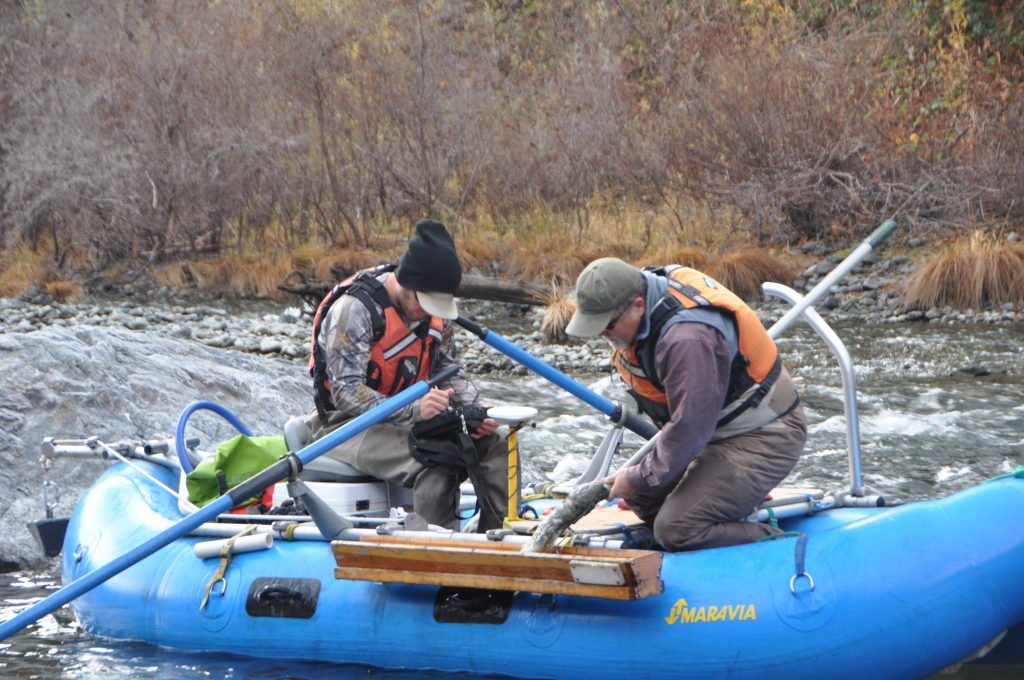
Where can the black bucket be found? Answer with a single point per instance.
(49, 534)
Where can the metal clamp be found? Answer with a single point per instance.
(794, 577)
(799, 557)
(50, 498)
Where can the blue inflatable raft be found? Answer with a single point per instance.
(853, 589)
(893, 592)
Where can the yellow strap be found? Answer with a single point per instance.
(225, 561)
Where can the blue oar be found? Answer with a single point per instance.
(282, 469)
(614, 411)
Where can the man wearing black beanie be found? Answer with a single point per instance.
(375, 335)
(432, 269)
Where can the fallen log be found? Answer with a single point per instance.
(472, 287)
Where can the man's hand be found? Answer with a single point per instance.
(618, 485)
(435, 402)
(488, 426)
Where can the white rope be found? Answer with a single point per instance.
(140, 470)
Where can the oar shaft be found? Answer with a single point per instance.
(275, 473)
(614, 411)
(825, 285)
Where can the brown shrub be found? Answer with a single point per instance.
(980, 273)
(20, 268)
(696, 258)
(743, 271)
(629, 128)
(63, 290)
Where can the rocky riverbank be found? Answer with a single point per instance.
(870, 294)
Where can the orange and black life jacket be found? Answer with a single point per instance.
(399, 356)
(689, 296)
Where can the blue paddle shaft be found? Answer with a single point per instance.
(278, 471)
(632, 422)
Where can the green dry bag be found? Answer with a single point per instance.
(237, 460)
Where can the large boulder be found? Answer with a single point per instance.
(117, 383)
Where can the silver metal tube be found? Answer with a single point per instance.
(825, 285)
(311, 533)
(798, 509)
(873, 500)
(845, 369)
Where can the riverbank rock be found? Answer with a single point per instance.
(117, 383)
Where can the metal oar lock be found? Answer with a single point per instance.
(49, 532)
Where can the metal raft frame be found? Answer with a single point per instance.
(858, 495)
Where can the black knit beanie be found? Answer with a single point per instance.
(430, 264)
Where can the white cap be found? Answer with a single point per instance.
(438, 304)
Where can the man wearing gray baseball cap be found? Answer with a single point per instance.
(703, 368)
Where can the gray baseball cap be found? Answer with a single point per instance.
(602, 287)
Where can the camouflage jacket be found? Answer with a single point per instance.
(346, 336)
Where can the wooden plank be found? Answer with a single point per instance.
(505, 547)
(491, 583)
(619, 574)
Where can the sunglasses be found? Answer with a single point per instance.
(611, 324)
(615, 319)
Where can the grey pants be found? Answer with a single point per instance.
(382, 451)
(722, 485)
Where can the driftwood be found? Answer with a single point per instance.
(472, 287)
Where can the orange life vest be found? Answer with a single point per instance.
(755, 360)
(399, 356)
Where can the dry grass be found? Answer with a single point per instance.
(981, 272)
(255, 276)
(479, 248)
(696, 258)
(559, 307)
(20, 269)
(62, 290)
(550, 257)
(248, 276)
(743, 271)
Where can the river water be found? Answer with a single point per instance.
(941, 408)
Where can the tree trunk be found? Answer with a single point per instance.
(472, 287)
